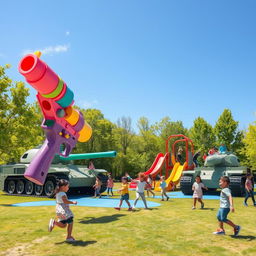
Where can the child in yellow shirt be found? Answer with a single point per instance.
(124, 194)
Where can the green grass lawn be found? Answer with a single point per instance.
(171, 229)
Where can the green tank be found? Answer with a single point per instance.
(216, 166)
(81, 179)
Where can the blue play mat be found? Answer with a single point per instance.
(179, 194)
(91, 202)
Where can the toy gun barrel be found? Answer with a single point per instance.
(89, 156)
(63, 124)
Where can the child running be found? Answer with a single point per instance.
(141, 184)
(97, 187)
(124, 194)
(64, 214)
(226, 204)
(163, 188)
(110, 185)
(198, 192)
(149, 186)
(249, 189)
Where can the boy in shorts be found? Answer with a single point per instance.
(226, 204)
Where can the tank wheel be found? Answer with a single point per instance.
(29, 188)
(39, 190)
(11, 186)
(186, 185)
(20, 186)
(49, 187)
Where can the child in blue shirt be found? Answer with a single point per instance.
(226, 204)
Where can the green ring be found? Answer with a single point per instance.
(56, 92)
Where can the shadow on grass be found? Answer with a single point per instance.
(99, 220)
(78, 243)
(249, 238)
(208, 209)
(6, 205)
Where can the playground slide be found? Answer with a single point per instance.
(154, 169)
(173, 178)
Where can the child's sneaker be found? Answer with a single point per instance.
(51, 225)
(193, 208)
(219, 232)
(202, 206)
(237, 230)
(245, 204)
(117, 208)
(71, 239)
(130, 209)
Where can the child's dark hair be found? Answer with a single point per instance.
(226, 179)
(125, 178)
(199, 178)
(60, 183)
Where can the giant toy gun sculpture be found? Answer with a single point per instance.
(63, 124)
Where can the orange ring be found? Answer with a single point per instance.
(72, 115)
(85, 133)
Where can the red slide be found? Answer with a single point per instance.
(154, 169)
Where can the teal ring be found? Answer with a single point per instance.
(67, 99)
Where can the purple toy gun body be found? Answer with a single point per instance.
(63, 124)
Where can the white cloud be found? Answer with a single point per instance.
(49, 49)
(67, 33)
(87, 104)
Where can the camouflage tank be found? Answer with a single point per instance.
(216, 166)
(81, 179)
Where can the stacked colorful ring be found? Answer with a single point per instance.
(57, 91)
(67, 99)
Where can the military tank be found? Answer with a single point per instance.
(215, 166)
(81, 179)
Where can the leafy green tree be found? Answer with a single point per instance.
(202, 135)
(102, 138)
(19, 120)
(249, 149)
(226, 131)
(165, 128)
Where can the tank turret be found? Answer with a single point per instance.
(80, 177)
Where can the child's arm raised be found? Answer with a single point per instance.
(66, 201)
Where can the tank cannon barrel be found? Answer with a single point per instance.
(88, 156)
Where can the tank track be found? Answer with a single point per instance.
(186, 185)
(237, 185)
(21, 178)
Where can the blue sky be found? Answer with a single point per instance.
(148, 58)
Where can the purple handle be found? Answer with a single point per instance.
(38, 169)
(39, 166)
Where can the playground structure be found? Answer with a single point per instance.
(173, 169)
(81, 179)
(63, 125)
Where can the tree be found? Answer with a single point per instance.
(102, 138)
(226, 131)
(250, 146)
(202, 135)
(166, 127)
(19, 120)
(124, 133)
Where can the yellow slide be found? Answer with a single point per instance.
(173, 178)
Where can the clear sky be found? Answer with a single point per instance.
(183, 58)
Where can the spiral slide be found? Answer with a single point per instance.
(173, 178)
(154, 169)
